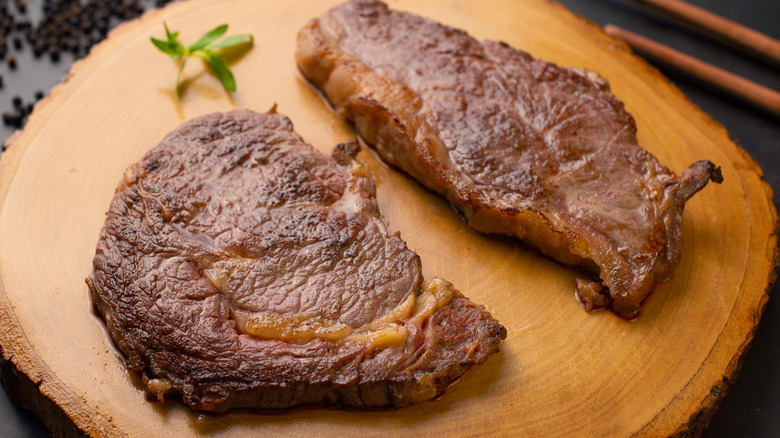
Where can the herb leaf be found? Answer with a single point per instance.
(207, 48)
(172, 37)
(231, 41)
(221, 70)
(208, 37)
(166, 47)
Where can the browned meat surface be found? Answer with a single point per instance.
(240, 268)
(520, 146)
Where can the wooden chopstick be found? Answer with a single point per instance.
(722, 29)
(737, 85)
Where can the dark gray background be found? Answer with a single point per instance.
(753, 406)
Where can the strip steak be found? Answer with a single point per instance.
(240, 268)
(520, 146)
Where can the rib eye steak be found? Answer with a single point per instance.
(240, 268)
(519, 146)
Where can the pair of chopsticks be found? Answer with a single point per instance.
(727, 31)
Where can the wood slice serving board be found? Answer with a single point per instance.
(561, 371)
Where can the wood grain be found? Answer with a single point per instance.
(561, 371)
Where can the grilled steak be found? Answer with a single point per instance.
(520, 146)
(240, 268)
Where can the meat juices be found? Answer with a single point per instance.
(240, 268)
(520, 146)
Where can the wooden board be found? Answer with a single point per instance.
(561, 371)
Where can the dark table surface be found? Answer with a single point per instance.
(752, 408)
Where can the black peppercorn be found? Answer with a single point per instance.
(65, 26)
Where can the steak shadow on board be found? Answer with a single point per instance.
(519, 146)
(238, 267)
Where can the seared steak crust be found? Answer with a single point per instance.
(240, 268)
(520, 146)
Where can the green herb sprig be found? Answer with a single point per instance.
(207, 48)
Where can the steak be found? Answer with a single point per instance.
(240, 268)
(519, 146)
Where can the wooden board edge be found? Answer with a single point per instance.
(31, 385)
(700, 419)
(13, 147)
(702, 414)
(765, 263)
(27, 379)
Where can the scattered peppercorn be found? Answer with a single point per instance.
(13, 120)
(66, 28)
(21, 6)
